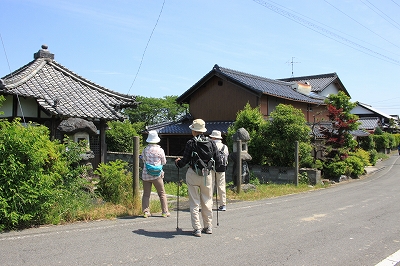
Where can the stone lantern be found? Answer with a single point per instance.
(242, 135)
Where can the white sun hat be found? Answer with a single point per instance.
(216, 134)
(153, 137)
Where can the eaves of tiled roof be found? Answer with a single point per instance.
(182, 128)
(377, 112)
(255, 84)
(318, 82)
(62, 93)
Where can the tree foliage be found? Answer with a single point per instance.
(119, 136)
(253, 121)
(339, 141)
(287, 125)
(156, 110)
(273, 142)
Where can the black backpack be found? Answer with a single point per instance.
(202, 155)
(224, 160)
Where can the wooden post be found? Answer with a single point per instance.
(135, 173)
(239, 166)
(296, 159)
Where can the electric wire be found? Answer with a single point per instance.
(396, 3)
(327, 33)
(384, 16)
(9, 68)
(363, 27)
(141, 61)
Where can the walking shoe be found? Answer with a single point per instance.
(146, 214)
(196, 232)
(166, 214)
(222, 208)
(207, 230)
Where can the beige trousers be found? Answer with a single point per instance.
(200, 195)
(159, 185)
(221, 186)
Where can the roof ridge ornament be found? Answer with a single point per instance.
(43, 53)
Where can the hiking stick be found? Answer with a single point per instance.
(216, 195)
(177, 204)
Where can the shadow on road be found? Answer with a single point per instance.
(161, 234)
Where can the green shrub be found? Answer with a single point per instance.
(355, 166)
(335, 169)
(367, 143)
(33, 172)
(373, 157)
(303, 178)
(381, 142)
(171, 188)
(115, 182)
(363, 155)
(318, 165)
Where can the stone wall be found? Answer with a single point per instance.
(280, 175)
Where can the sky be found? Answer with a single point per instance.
(157, 48)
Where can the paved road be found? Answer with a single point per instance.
(353, 223)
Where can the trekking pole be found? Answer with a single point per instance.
(177, 203)
(216, 195)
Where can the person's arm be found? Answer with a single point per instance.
(187, 155)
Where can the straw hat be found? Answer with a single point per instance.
(216, 134)
(153, 137)
(198, 125)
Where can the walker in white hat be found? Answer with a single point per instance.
(216, 134)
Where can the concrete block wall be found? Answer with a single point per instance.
(263, 173)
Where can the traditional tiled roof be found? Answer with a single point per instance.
(319, 127)
(369, 123)
(62, 93)
(182, 128)
(375, 111)
(255, 84)
(318, 82)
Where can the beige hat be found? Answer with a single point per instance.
(216, 134)
(198, 125)
(153, 137)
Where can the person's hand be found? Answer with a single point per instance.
(176, 162)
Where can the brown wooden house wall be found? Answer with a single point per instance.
(220, 100)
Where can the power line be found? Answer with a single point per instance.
(363, 26)
(384, 15)
(395, 3)
(141, 61)
(9, 69)
(327, 33)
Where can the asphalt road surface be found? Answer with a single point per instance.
(351, 223)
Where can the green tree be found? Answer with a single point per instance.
(156, 110)
(339, 141)
(287, 125)
(253, 121)
(119, 136)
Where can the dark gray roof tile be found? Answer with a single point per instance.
(49, 82)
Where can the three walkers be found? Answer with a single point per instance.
(200, 182)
